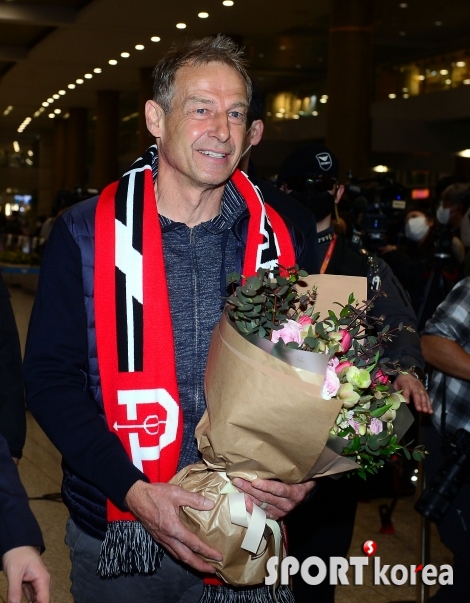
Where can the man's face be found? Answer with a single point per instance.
(201, 140)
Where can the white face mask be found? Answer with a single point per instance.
(443, 214)
(465, 229)
(416, 228)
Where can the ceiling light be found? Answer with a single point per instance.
(125, 55)
(62, 92)
(155, 39)
(380, 168)
(460, 64)
(88, 76)
(71, 86)
(406, 95)
(323, 100)
(97, 70)
(392, 96)
(443, 71)
(41, 109)
(51, 115)
(421, 77)
(57, 111)
(314, 113)
(79, 81)
(203, 15)
(112, 62)
(181, 25)
(67, 115)
(30, 153)
(448, 82)
(403, 5)
(16, 146)
(403, 33)
(50, 100)
(56, 96)
(404, 89)
(37, 114)
(437, 23)
(139, 46)
(227, 2)
(46, 104)
(465, 153)
(466, 82)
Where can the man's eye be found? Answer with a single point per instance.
(201, 111)
(236, 114)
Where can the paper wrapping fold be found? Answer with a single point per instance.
(239, 567)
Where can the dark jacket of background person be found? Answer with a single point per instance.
(12, 409)
(294, 212)
(18, 526)
(395, 306)
(415, 263)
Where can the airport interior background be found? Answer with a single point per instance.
(384, 83)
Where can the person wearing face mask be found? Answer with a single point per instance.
(428, 265)
(323, 525)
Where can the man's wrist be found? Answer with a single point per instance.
(419, 374)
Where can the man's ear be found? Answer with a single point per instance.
(154, 115)
(256, 132)
(339, 193)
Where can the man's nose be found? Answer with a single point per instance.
(220, 127)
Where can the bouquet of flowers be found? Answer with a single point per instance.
(294, 390)
(269, 306)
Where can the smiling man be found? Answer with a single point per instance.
(132, 284)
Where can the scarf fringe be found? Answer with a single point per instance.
(128, 549)
(261, 594)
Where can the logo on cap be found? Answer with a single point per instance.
(324, 161)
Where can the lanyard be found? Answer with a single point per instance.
(329, 253)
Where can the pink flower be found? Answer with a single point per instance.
(380, 378)
(376, 426)
(345, 342)
(331, 384)
(304, 320)
(342, 365)
(289, 332)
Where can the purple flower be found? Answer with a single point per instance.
(376, 426)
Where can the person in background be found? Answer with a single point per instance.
(453, 207)
(428, 265)
(446, 346)
(12, 406)
(323, 525)
(20, 537)
(284, 204)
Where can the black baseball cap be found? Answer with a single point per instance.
(313, 160)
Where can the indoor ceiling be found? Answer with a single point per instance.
(46, 45)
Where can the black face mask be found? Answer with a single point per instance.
(321, 204)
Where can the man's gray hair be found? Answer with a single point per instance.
(218, 49)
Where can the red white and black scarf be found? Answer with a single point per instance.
(134, 337)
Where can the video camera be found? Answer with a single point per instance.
(376, 204)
